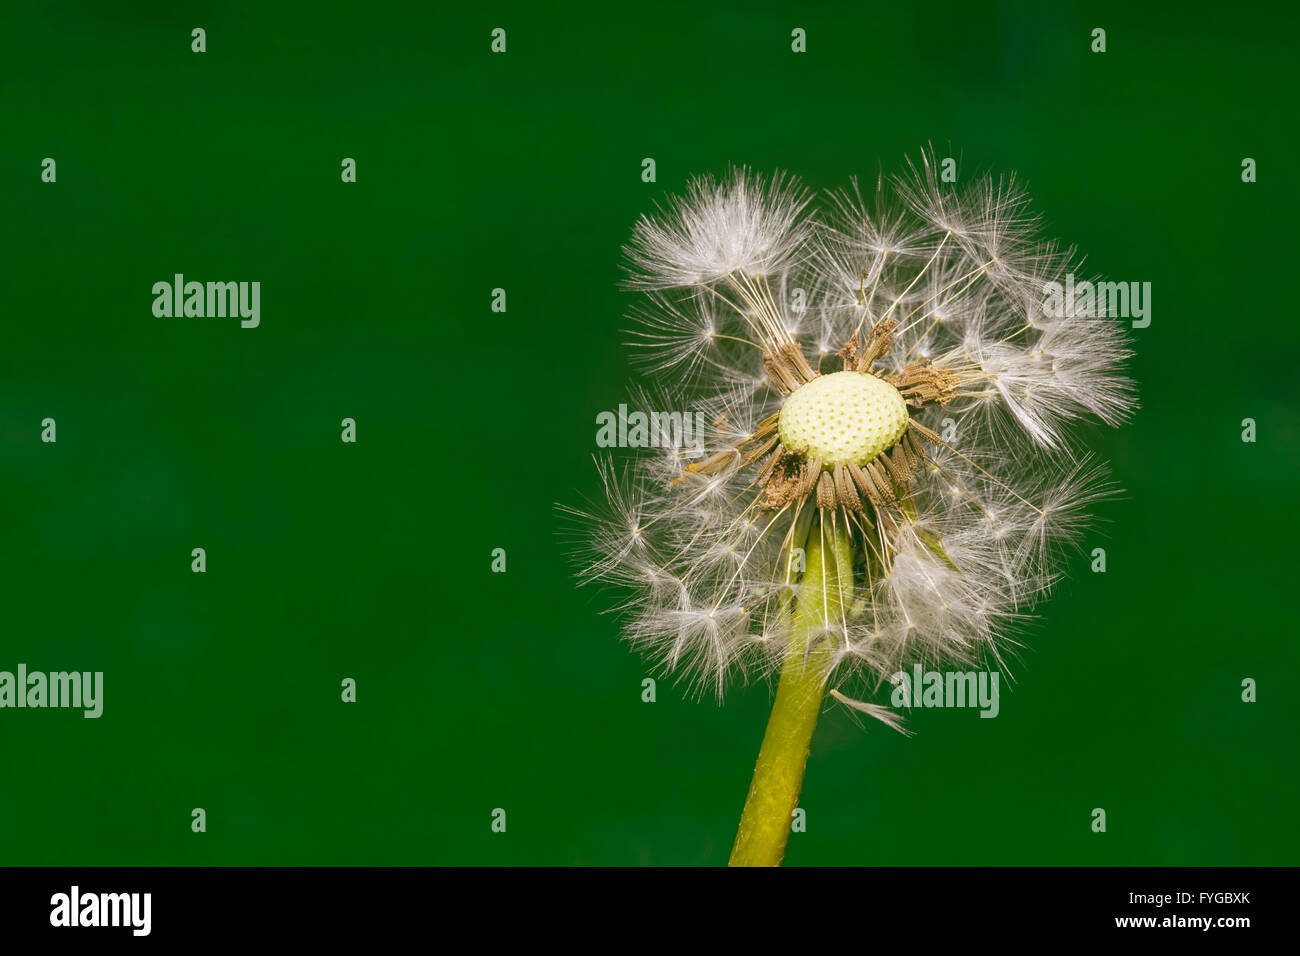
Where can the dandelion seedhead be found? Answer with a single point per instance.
(875, 370)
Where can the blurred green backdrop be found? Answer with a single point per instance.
(371, 560)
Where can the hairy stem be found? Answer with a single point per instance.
(824, 591)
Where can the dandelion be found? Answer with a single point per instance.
(890, 475)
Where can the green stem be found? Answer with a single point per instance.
(824, 591)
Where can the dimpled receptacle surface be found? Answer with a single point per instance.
(843, 417)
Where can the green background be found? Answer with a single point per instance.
(372, 560)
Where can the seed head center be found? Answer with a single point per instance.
(843, 417)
